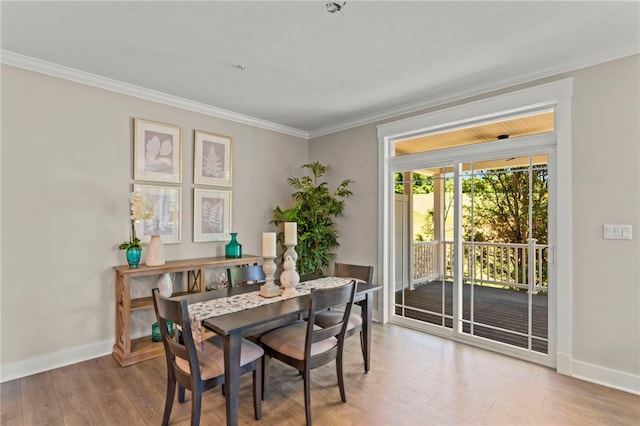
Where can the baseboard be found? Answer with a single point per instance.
(563, 363)
(56, 360)
(605, 376)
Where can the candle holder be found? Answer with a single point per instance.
(289, 278)
(291, 251)
(269, 288)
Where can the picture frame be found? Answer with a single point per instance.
(211, 215)
(157, 151)
(167, 214)
(211, 159)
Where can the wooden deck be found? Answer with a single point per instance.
(493, 307)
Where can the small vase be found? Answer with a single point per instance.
(133, 256)
(155, 251)
(165, 285)
(233, 250)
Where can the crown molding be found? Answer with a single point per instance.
(44, 67)
(55, 70)
(629, 49)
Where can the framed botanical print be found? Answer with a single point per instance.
(167, 213)
(157, 152)
(211, 159)
(211, 215)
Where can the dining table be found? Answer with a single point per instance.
(255, 320)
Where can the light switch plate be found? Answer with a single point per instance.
(617, 232)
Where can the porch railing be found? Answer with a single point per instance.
(499, 264)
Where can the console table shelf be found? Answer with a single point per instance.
(129, 351)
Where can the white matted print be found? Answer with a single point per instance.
(211, 215)
(167, 213)
(157, 152)
(211, 159)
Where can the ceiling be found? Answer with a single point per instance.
(309, 72)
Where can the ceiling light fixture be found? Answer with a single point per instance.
(332, 7)
(241, 67)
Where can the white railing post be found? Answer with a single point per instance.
(532, 265)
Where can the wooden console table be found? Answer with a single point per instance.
(129, 351)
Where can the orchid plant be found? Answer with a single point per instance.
(141, 209)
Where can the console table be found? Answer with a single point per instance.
(129, 351)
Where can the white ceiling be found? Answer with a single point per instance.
(313, 72)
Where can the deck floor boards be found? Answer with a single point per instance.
(493, 307)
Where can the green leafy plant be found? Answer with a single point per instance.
(315, 209)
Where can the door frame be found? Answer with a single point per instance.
(555, 96)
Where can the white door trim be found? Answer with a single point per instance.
(556, 95)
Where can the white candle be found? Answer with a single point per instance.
(269, 244)
(290, 233)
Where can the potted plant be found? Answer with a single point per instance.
(141, 208)
(315, 209)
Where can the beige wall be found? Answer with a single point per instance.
(606, 189)
(605, 297)
(66, 175)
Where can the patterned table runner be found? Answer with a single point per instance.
(200, 311)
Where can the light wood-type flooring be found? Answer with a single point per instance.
(416, 379)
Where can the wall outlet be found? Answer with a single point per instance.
(617, 232)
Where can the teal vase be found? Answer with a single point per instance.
(133, 256)
(233, 250)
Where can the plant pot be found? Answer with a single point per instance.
(133, 256)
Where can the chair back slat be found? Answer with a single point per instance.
(322, 299)
(241, 275)
(359, 272)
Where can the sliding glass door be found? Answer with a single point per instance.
(472, 257)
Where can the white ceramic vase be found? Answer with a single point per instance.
(155, 251)
(165, 285)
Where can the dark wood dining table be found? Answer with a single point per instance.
(234, 326)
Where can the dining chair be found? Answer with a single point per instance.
(330, 317)
(245, 274)
(305, 346)
(199, 367)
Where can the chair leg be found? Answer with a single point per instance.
(265, 375)
(307, 395)
(181, 397)
(339, 371)
(196, 403)
(168, 405)
(257, 389)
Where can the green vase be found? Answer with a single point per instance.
(233, 250)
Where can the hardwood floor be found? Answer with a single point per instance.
(416, 379)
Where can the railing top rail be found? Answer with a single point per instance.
(478, 243)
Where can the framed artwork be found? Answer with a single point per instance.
(211, 215)
(211, 159)
(167, 214)
(157, 152)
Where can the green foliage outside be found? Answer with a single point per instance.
(316, 207)
(496, 202)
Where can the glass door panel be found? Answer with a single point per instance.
(427, 216)
(504, 251)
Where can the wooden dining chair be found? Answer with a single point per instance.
(199, 366)
(245, 274)
(306, 346)
(324, 319)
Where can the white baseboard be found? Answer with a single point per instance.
(563, 363)
(59, 359)
(605, 376)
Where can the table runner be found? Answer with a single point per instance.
(200, 311)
